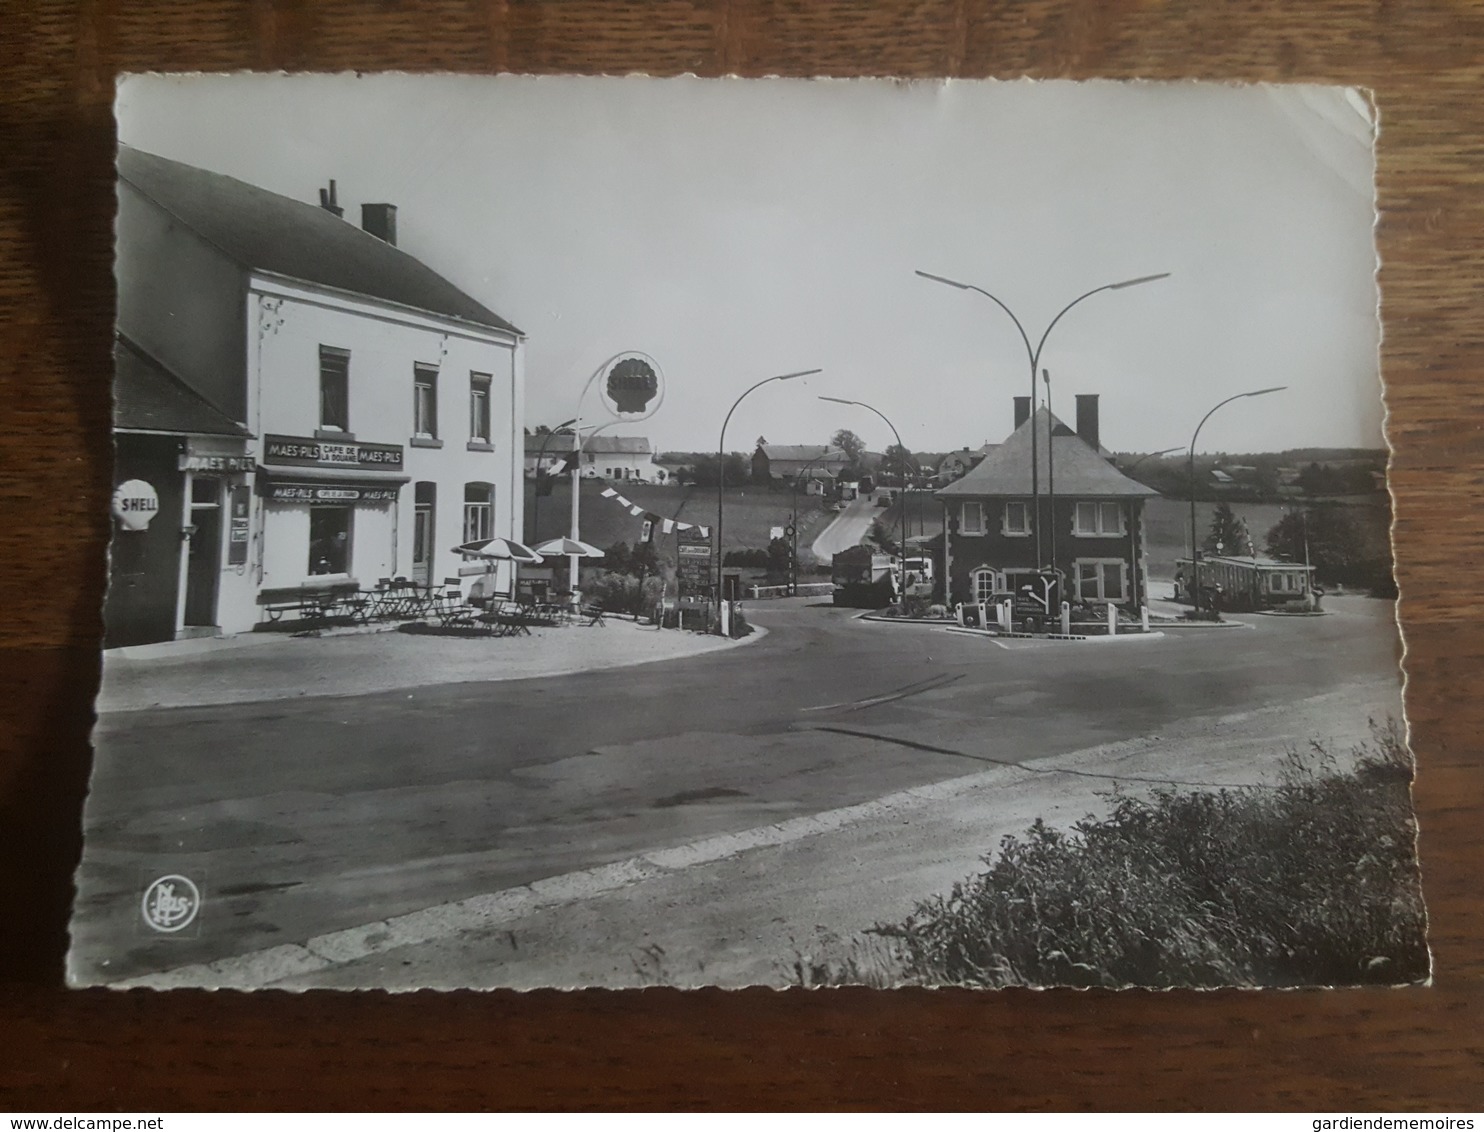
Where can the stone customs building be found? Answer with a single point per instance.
(303, 400)
(1092, 515)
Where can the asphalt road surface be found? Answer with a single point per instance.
(849, 527)
(304, 816)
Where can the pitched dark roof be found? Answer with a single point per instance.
(801, 451)
(1079, 468)
(622, 445)
(149, 398)
(272, 233)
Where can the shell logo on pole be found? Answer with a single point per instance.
(632, 387)
(135, 503)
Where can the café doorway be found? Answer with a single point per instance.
(203, 552)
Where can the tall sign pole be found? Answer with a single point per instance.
(632, 388)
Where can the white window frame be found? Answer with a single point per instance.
(425, 377)
(963, 520)
(479, 515)
(979, 574)
(480, 385)
(1100, 526)
(1025, 511)
(1100, 563)
(340, 363)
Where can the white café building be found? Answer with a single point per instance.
(379, 405)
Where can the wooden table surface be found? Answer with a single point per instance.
(1417, 1048)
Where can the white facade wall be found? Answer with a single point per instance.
(287, 324)
(619, 465)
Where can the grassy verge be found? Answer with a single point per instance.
(1313, 882)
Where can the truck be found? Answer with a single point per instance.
(864, 578)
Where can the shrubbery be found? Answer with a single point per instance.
(1313, 882)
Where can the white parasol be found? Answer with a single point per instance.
(568, 547)
(498, 549)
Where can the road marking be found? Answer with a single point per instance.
(929, 685)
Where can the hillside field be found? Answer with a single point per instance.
(751, 512)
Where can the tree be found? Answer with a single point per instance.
(853, 446)
(738, 470)
(900, 461)
(616, 558)
(1227, 534)
(1328, 538)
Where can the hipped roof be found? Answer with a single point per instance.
(267, 232)
(1078, 467)
(613, 445)
(149, 398)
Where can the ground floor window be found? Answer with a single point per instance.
(985, 584)
(1101, 579)
(479, 511)
(329, 538)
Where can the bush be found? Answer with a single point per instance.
(1313, 882)
(623, 593)
(757, 559)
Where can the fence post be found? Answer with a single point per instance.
(1112, 620)
(1144, 617)
(958, 614)
(1066, 619)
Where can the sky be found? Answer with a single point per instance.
(737, 229)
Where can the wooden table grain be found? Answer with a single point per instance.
(1353, 1050)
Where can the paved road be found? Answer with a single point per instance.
(313, 814)
(849, 527)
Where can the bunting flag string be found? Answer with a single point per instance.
(667, 525)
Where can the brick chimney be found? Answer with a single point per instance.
(1022, 410)
(327, 201)
(1087, 418)
(380, 220)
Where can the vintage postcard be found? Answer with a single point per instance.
(622, 532)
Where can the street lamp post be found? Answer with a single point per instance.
(1034, 354)
(541, 475)
(721, 472)
(902, 510)
(1129, 471)
(1195, 569)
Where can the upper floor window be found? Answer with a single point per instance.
(971, 519)
(479, 407)
(425, 401)
(1098, 519)
(479, 511)
(1017, 519)
(334, 389)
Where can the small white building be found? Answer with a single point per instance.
(375, 405)
(603, 457)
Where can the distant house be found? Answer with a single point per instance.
(956, 465)
(548, 449)
(785, 462)
(1092, 531)
(672, 471)
(603, 457)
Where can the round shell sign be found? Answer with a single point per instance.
(135, 503)
(632, 387)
